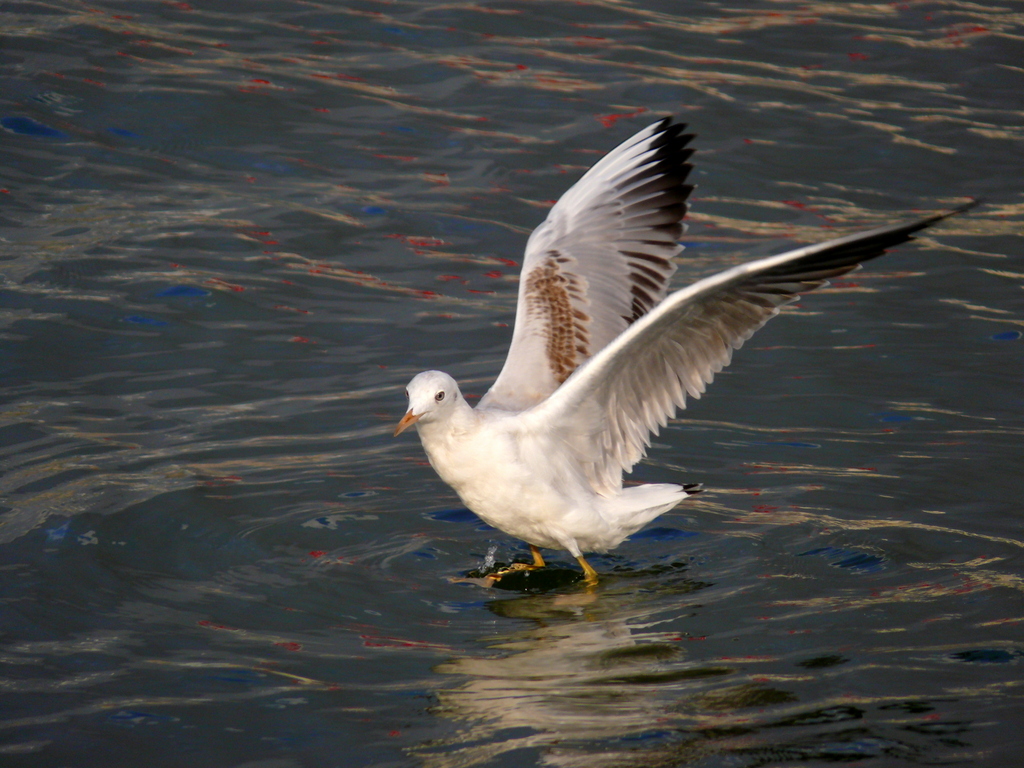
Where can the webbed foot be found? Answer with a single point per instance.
(538, 562)
(514, 568)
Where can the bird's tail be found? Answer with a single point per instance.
(636, 506)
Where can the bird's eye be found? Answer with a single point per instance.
(407, 393)
(439, 396)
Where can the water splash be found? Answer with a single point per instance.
(488, 564)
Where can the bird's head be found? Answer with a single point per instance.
(432, 395)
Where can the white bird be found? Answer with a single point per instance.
(602, 355)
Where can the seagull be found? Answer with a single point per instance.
(602, 355)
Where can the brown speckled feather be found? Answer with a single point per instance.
(601, 260)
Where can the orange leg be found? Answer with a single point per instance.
(538, 559)
(588, 570)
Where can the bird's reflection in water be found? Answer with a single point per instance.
(590, 666)
(606, 678)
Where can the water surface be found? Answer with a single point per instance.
(231, 237)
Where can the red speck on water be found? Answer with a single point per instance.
(290, 646)
(423, 242)
(609, 120)
(317, 553)
(214, 625)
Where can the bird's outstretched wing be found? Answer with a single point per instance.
(606, 412)
(600, 261)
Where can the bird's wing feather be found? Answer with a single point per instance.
(601, 260)
(606, 412)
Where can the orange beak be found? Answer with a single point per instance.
(407, 421)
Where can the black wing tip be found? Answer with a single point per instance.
(969, 206)
(667, 121)
(906, 232)
(668, 129)
(844, 253)
(692, 489)
(974, 203)
(928, 221)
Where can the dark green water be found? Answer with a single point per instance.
(232, 232)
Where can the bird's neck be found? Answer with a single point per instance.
(461, 420)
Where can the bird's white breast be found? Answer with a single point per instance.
(505, 479)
